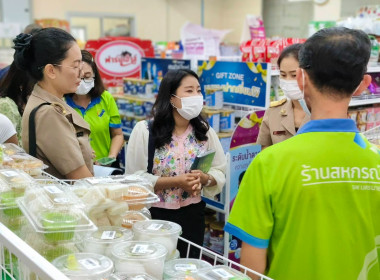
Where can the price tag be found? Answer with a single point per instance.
(9, 173)
(95, 181)
(62, 200)
(140, 249)
(53, 189)
(154, 226)
(108, 235)
(185, 267)
(222, 273)
(89, 264)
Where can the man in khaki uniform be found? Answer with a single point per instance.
(62, 135)
(278, 123)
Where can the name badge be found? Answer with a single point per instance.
(80, 134)
(279, 132)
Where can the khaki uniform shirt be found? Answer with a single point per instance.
(62, 135)
(278, 123)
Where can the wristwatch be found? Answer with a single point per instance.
(208, 181)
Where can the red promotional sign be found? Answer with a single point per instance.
(119, 57)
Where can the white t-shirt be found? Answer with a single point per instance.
(7, 130)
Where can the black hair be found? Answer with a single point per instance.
(16, 85)
(47, 46)
(163, 122)
(98, 88)
(336, 59)
(32, 28)
(241, 177)
(289, 51)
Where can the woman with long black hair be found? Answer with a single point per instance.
(179, 134)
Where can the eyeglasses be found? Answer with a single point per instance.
(77, 68)
(88, 80)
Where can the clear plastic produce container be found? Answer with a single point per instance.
(184, 267)
(16, 157)
(160, 231)
(84, 266)
(131, 217)
(137, 195)
(139, 257)
(12, 186)
(135, 277)
(221, 272)
(102, 240)
(54, 212)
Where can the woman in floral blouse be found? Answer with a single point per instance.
(15, 88)
(180, 134)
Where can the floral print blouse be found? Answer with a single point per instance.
(174, 159)
(9, 109)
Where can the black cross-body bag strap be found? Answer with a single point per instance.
(32, 130)
(151, 148)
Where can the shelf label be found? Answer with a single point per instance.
(223, 273)
(89, 264)
(155, 226)
(141, 249)
(108, 235)
(53, 189)
(185, 267)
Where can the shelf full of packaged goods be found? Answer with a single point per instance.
(366, 101)
(373, 69)
(134, 98)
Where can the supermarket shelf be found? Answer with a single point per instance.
(134, 98)
(368, 101)
(374, 69)
(224, 134)
(371, 69)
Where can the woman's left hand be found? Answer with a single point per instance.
(203, 177)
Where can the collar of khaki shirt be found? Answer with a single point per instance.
(287, 119)
(40, 93)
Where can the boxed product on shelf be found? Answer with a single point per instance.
(102, 240)
(227, 120)
(217, 237)
(213, 118)
(139, 257)
(162, 232)
(221, 272)
(214, 98)
(141, 87)
(374, 86)
(85, 266)
(175, 269)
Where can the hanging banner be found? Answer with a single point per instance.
(154, 69)
(243, 83)
(243, 149)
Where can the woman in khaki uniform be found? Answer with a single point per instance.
(284, 117)
(53, 59)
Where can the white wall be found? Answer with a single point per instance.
(158, 20)
(329, 11)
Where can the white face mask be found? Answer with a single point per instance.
(302, 101)
(291, 89)
(191, 106)
(84, 88)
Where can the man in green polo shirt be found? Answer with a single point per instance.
(308, 208)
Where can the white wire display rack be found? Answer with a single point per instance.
(19, 261)
(373, 135)
(216, 259)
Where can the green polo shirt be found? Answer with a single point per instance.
(314, 202)
(101, 114)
